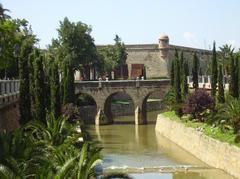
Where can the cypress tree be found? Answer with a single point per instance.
(62, 81)
(181, 66)
(221, 98)
(172, 73)
(48, 83)
(55, 91)
(232, 76)
(238, 78)
(187, 68)
(195, 71)
(214, 71)
(177, 81)
(40, 106)
(33, 56)
(236, 87)
(185, 74)
(71, 82)
(68, 82)
(233, 84)
(24, 90)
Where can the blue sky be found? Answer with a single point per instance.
(194, 23)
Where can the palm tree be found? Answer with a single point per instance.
(54, 132)
(225, 53)
(50, 150)
(80, 165)
(15, 149)
(229, 113)
(3, 15)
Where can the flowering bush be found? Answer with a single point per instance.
(197, 103)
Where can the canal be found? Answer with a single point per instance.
(143, 153)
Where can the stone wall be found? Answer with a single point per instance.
(149, 55)
(213, 152)
(203, 55)
(155, 66)
(9, 117)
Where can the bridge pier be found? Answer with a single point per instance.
(100, 117)
(140, 116)
(140, 110)
(103, 118)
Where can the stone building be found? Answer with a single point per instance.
(156, 58)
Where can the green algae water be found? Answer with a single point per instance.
(143, 153)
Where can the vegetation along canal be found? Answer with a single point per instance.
(142, 153)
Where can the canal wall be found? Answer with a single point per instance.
(213, 152)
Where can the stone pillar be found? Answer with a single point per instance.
(15, 86)
(12, 87)
(91, 74)
(104, 115)
(100, 117)
(2, 87)
(112, 75)
(140, 116)
(7, 87)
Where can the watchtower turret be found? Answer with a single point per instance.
(164, 46)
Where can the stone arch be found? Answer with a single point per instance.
(108, 101)
(143, 103)
(88, 107)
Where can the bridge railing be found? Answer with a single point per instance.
(8, 91)
(205, 81)
(121, 83)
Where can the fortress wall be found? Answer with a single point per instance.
(155, 66)
(203, 55)
(149, 55)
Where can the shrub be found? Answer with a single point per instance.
(230, 113)
(169, 100)
(197, 103)
(71, 112)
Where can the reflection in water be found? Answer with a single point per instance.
(142, 152)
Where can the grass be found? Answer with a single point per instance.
(153, 100)
(127, 102)
(214, 132)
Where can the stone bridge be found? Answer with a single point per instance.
(103, 91)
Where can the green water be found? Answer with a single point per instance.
(143, 153)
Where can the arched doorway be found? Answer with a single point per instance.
(87, 108)
(119, 108)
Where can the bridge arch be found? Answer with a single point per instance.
(87, 106)
(123, 98)
(155, 95)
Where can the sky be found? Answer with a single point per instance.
(192, 23)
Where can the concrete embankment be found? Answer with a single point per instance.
(213, 152)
